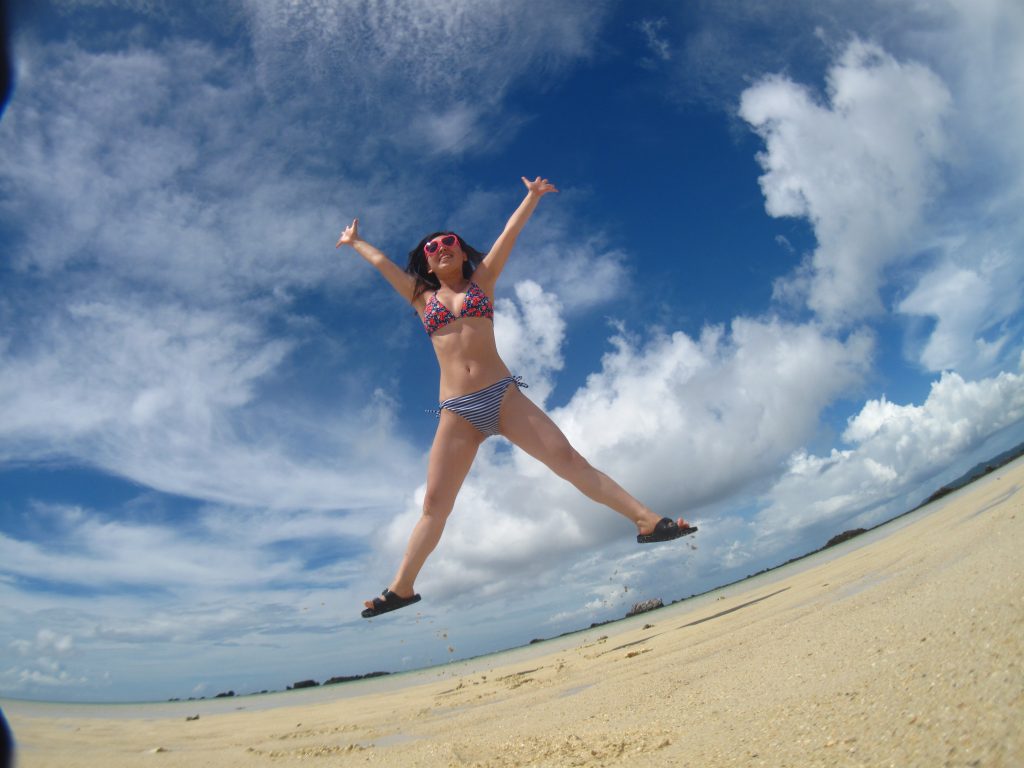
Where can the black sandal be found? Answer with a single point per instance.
(390, 602)
(665, 530)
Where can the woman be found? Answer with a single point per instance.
(450, 285)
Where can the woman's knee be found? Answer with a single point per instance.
(437, 506)
(568, 463)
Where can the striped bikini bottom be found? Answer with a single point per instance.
(482, 408)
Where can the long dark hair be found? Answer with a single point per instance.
(418, 266)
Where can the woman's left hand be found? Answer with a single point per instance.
(539, 186)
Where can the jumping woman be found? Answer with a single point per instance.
(450, 284)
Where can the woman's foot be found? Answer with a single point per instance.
(664, 530)
(387, 602)
(646, 526)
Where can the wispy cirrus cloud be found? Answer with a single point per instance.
(151, 147)
(431, 74)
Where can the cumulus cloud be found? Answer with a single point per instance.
(46, 641)
(894, 448)
(862, 168)
(712, 413)
(981, 235)
(42, 663)
(973, 307)
(47, 673)
(529, 332)
(912, 175)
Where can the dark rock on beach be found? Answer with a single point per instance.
(342, 679)
(841, 537)
(350, 678)
(646, 605)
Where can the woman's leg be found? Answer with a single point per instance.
(455, 445)
(528, 427)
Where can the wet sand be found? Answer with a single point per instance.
(907, 650)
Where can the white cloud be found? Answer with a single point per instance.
(583, 273)
(692, 420)
(49, 675)
(139, 332)
(86, 550)
(660, 49)
(973, 307)
(100, 583)
(981, 234)
(41, 665)
(894, 449)
(46, 642)
(431, 72)
(862, 168)
(151, 148)
(576, 263)
(912, 175)
(529, 332)
(166, 396)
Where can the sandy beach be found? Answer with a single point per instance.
(903, 650)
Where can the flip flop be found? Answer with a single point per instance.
(665, 530)
(391, 602)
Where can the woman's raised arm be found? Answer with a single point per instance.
(494, 261)
(400, 280)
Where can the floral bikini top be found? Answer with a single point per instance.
(476, 304)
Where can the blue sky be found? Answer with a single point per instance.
(779, 293)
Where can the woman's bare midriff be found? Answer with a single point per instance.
(467, 356)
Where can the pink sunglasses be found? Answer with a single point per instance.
(447, 241)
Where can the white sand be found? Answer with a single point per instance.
(906, 651)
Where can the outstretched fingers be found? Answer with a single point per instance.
(539, 186)
(349, 234)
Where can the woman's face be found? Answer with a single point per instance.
(443, 251)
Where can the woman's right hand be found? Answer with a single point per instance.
(350, 235)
